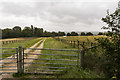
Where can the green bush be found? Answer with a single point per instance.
(111, 44)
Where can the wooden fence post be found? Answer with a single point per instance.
(91, 44)
(82, 58)
(6, 42)
(20, 60)
(74, 44)
(83, 45)
(2, 42)
(78, 44)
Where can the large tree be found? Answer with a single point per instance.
(111, 44)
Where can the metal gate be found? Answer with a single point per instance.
(9, 64)
(39, 63)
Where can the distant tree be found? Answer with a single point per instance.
(47, 34)
(41, 32)
(61, 33)
(32, 30)
(8, 33)
(54, 34)
(74, 34)
(17, 28)
(89, 34)
(68, 34)
(82, 33)
(100, 33)
(27, 32)
(38, 32)
(17, 31)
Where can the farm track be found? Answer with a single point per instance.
(15, 64)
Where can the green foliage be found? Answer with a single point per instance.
(111, 44)
(82, 33)
(38, 32)
(74, 34)
(7, 33)
(100, 33)
(68, 34)
(77, 72)
(27, 32)
(61, 33)
(89, 33)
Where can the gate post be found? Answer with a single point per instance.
(78, 58)
(20, 60)
(82, 58)
(78, 55)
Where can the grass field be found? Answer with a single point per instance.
(27, 43)
(17, 39)
(73, 71)
(12, 39)
(88, 40)
(83, 38)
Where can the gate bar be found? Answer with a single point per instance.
(51, 54)
(53, 49)
(48, 67)
(51, 59)
(49, 63)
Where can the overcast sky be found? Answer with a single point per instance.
(56, 15)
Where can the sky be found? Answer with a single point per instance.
(56, 15)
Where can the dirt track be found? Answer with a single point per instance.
(15, 64)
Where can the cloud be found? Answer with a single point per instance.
(56, 15)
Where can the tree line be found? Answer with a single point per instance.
(31, 31)
(17, 31)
